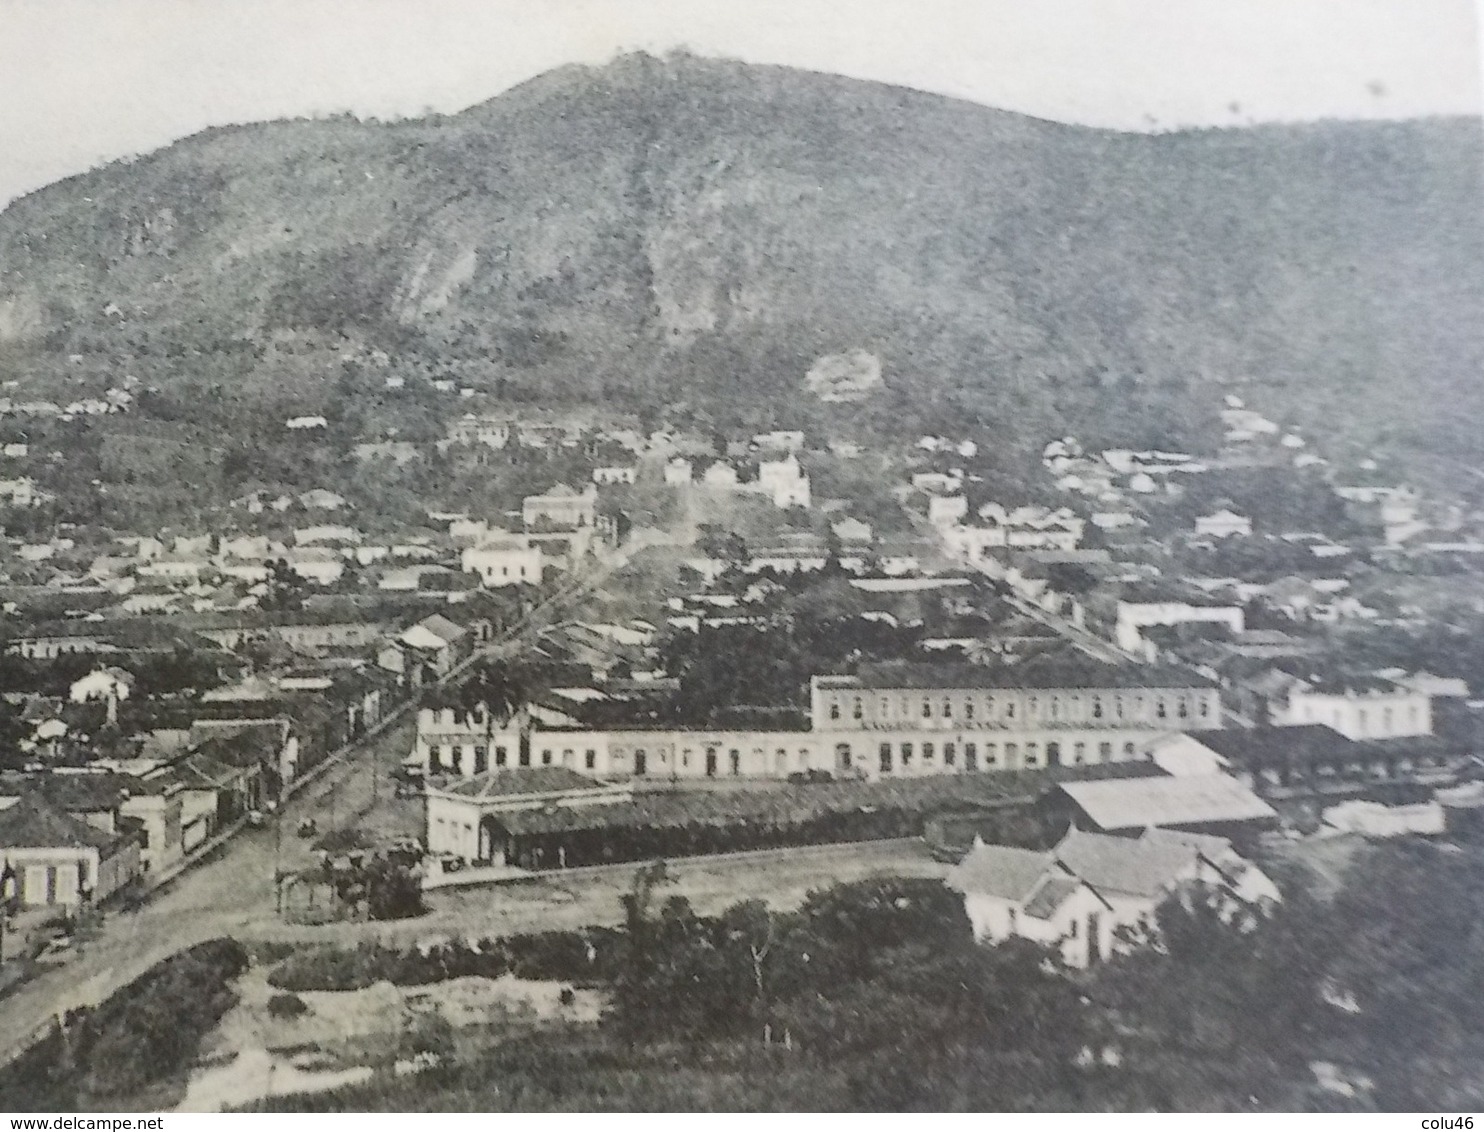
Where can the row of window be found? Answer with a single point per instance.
(903, 756)
(524, 758)
(1051, 707)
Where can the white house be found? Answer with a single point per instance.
(102, 685)
(1134, 616)
(1079, 894)
(303, 424)
(679, 472)
(615, 474)
(1358, 707)
(1224, 523)
(503, 560)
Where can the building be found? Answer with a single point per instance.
(1224, 523)
(615, 474)
(61, 860)
(784, 482)
(1358, 707)
(451, 740)
(464, 815)
(1134, 616)
(562, 508)
(1214, 804)
(504, 560)
(106, 684)
(1061, 712)
(1092, 893)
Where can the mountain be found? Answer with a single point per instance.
(687, 229)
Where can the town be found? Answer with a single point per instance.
(1070, 694)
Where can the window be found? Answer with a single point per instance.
(857, 709)
(968, 709)
(927, 752)
(842, 755)
(971, 757)
(1012, 751)
(950, 754)
(1105, 752)
(736, 758)
(947, 709)
(1128, 750)
(1183, 709)
(1010, 710)
(906, 755)
(885, 755)
(685, 757)
(641, 763)
(1076, 929)
(834, 710)
(1205, 707)
(780, 761)
(435, 760)
(590, 759)
(481, 758)
(525, 756)
(1079, 752)
(1032, 757)
(927, 709)
(546, 757)
(499, 756)
(1159, 709)
(1097, 707)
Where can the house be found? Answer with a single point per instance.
(1357, 706)
(317, 564)
(59, 860)
(679, 472)
(1085, 893)
(504, 560)
(1135, 616)
(107, 684)
(562, 507)
(303, 424)
(1224, 523)
(784, 481)
(18, 492)
(319, 499)
(852, 530)
(946, 510)
(427, 651)
(720, 474)
(615, 474)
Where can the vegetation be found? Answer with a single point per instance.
(873, 996)
(960, 244)
(144, 1033)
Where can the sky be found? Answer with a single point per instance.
(88, 81)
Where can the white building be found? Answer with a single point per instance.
(615, 474)
(1134, 616)
(1364, 707)
(1224, 523)
(1082, 894)
(504, 560)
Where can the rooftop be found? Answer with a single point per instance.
(34, 823)
(1176, 800)
(1052, 672)
(516, 781)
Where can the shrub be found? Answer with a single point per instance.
(287, 1006)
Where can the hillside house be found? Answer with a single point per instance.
(504, 560)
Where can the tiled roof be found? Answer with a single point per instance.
(1058, 672)
(515, 781)
(1001, 870)
(34, 823)
(1125, 865)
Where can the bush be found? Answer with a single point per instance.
(142, 1033)
(287, 1006)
